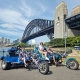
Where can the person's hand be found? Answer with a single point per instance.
(44, 50)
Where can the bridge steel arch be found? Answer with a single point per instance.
(43, 24)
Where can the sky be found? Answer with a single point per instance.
(15, 15)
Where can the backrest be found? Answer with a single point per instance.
(36, 50)
(12, 53)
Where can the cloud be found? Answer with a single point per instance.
(7, 26)
(43, 8)
(18, 19)
(27, 11)
(11, 16)
(10, 33)
(14, 19)
(31, 10)
(12, 27)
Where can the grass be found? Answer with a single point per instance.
(78, 51)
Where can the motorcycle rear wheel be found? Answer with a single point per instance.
(72, 64)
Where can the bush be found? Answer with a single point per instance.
(60, 42)
(22, 44)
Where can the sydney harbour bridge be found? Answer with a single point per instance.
(40, 27)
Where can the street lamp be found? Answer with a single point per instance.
(65, 32)
(65, 40)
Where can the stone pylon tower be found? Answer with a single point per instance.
(59, 23)
(74, 32)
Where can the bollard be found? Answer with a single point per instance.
(3, 52)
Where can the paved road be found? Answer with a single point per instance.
(56, 73)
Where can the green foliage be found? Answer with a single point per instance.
(22, 44)
(46, 44)
(76, 41)
(28, 45)
(60, 42)
(57, 42)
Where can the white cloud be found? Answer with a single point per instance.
(43, 8)
(27, 11)
(15, 19)
(11, 33)
(9, 16)
(12, 16)
(19, 27)
(8, 26)
(32, 10)
(12, 27)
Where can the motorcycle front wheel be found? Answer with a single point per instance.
(43, 67)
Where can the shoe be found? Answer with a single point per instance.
(26, 65)
(47, 58)
(56, 64)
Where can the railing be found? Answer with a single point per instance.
(3, 53)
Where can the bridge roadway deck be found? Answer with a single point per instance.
(56, 73)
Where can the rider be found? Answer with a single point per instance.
(23, 56)
(18, 49)
(50, 53)
(42, 50)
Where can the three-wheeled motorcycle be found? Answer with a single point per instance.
(13, 58)
(71, 63)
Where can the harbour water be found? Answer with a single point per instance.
(5, 49)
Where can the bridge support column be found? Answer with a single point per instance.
(60, 15)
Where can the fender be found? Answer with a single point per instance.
(70, 59)
(43, 59)
(2, 58)
(10, 59)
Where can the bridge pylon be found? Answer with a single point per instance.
(59, 21)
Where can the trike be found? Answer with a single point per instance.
(71, 63)
(13, 58)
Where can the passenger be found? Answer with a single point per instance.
(18, 49)
(23, 56)
(42, 50)
(50, 52)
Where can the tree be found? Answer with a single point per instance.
(22, 44)
(60, 42)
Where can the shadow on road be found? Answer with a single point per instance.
(50, 72)
(16, 67)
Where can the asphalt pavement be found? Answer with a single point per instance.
(55, 73)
